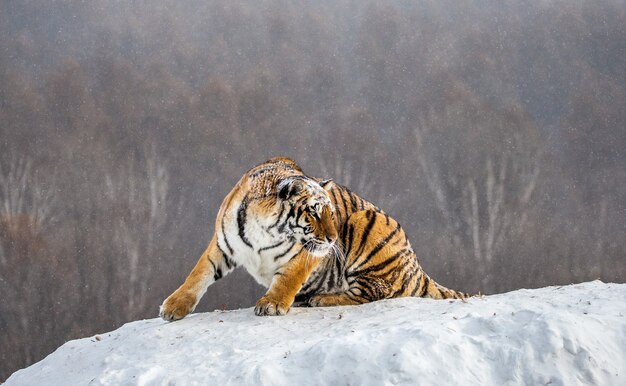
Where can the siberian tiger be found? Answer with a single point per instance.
(306, 240)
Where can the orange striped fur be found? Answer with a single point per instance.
(306, 240)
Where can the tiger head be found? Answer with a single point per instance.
(310, 218)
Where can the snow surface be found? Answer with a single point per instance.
(556, 335)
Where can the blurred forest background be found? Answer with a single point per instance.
(494, 132)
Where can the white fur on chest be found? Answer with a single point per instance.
(260, 263)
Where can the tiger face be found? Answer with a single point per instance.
(310, 219)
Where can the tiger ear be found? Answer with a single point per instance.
(288, 188)
(327, 184)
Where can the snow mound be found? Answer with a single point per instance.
(556, 335)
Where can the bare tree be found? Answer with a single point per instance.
(139, 196)
(22, 193)
(27, 206)
(486, 205)
(23, 196)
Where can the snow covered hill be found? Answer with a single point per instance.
(556, 335)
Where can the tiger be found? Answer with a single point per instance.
(309, 241)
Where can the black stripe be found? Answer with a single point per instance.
(218, 274)
(351, 291)
(280, 214)
(366, 231)
(405, 245)
(226, 206)
(345, 205)
(341, 265)
(217, 242)
(335, 203)
(417, 282)
(214, 268)
(261, 171)
(378, 247)
(361, 203)
(229, 263)
(396, 273)
(355, 297)
(425, 289)
(304, 290)
(348, 243)
(352, 201)
(313, 286)
(366, 289)
(344, 232)
(284, 253)
(241, 221)
(331, 275)
(299, 214)
(268, 168)
(230, 249)
(297, 253)
(292, 211)
(282, 226)
(376, 267)
(270, 247)
(407, 281)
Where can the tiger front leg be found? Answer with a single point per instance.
(287, 282)
(211, 266)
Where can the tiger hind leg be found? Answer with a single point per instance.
(435, 290)
(338, 299)
(362, 290)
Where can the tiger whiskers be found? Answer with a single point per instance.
(308, 253)
(337, 250)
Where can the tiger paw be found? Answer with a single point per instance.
(267, 306)
(316, 301)
(328, 300)
(177, 306)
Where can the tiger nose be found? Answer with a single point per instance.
(330, 239)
